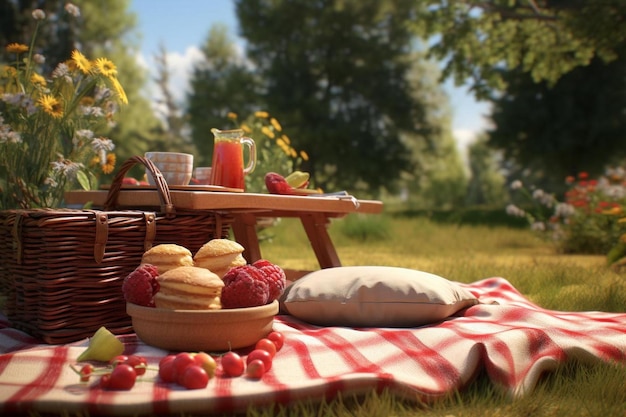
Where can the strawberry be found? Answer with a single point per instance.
(276, 184)
(274, 276)
(244, 286)
(140, 285)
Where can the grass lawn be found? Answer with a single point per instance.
(468, 253)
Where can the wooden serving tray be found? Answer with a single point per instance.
(190, 187)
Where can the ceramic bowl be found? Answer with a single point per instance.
(176, 167)
(203, 175)
(202, 330)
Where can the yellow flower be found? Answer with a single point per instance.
(81, 62)
(267, 132)
(87, 101)
(261, 114)
(106, 67)
(304, 155)
(232, 115)
(8, 71)
(117, 86)
(17, 48)
(286, 139)
(613, 211)
(109, 165)
(276, 125)
(51, 105)
(246, 128)
(37, 79)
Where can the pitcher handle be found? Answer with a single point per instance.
(252, 147)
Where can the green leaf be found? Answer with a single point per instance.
(83, 180)
(616, 253)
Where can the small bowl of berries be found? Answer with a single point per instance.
(190, 308)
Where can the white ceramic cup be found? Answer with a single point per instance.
(176, 167)
(203, 175)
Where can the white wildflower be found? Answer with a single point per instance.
(513, 210)
(65, 167)
(72, 9)
(39, 14)
(62, 70)
(517, 184)
(538, 226)
(84, 133)
(39, 59)
(94, 111)
(51, 182)
(564, 210)
(102, 144)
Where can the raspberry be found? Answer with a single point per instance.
(274, 276)
(244, 286)
(140, 285)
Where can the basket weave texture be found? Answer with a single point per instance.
(62, 269)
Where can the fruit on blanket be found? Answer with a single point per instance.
(267, 345)
(276, 184)
(232, 364)
(85, 372)
(194, 377)
(244, 286)
(103, 346)
(278, 338)
(122, 378)
(140, 286)
(275, 278)
(139, 363)
(263, 355)
(255, 369)
(207, 363)
(167, 372)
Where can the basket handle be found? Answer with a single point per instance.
(163, 190)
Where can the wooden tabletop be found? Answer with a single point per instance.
(245, 202)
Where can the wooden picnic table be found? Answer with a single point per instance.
(314, 212)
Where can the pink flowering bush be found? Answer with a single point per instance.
(590, 219)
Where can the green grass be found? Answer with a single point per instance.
(467, 252)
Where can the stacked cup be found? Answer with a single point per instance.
(175, 167)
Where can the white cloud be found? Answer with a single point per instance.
(180, 67)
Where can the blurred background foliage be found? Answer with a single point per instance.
(357, 85)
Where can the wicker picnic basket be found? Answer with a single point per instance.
(62, 270)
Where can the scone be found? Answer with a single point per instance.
(189, 288)
(219, 255)
(167, 256)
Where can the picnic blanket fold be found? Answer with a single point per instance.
(508, 337)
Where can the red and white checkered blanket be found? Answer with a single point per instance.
(513, 341)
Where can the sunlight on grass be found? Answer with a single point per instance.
(466, 254)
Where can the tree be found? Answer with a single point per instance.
(220, 84)
(477, 39)
(555, 131)
(438, 180)
(335, 73)
(487, 183)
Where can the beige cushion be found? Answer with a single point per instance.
(374, 296)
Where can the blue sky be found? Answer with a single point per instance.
(181, 26)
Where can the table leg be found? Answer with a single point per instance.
(316, 228)
(244, 229)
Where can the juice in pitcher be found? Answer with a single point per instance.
(227, 169)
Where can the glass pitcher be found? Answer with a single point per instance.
(227, 168)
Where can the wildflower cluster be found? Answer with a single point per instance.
(591, 219)
(49, 126)
(275, 152)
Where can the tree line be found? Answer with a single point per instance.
(357, 84)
